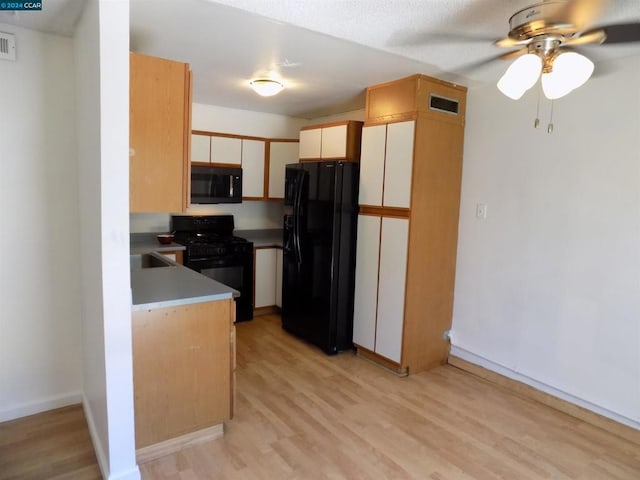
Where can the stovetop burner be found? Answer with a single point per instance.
(191, 238)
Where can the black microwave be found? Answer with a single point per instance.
(216, 185)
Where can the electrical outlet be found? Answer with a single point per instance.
(481, 211)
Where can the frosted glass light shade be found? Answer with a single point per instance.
(266, 86)
(570, 70)
(521, 75)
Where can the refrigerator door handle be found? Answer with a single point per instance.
(298, 211)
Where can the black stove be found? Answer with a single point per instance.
(214, 251)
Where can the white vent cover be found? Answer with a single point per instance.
(7, 46)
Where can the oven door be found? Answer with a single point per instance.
(236, 273)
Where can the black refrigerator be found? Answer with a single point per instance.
(319, 252)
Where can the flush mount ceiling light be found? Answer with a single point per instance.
(266, 87)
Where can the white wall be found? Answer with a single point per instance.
(102, 72)
(548, 286)
(40, 329)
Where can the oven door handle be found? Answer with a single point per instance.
(230, 186)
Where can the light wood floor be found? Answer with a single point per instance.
(53, 445)
(303, 415)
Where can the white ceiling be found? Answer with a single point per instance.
(326, 51)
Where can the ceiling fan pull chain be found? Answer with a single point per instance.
(536, 122)
(550, 126)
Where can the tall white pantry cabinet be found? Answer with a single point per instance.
(410, 173)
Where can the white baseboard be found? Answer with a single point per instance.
(95, 439)
(512, 374)
(42, 405)
(131, 474)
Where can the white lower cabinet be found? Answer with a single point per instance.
(279, 277)
(381, 268)
(265, 277)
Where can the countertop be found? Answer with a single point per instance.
(262, 238)
(172, 285)
(147, 242)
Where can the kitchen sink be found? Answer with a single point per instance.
(148, 260)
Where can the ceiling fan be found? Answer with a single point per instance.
(546, 35)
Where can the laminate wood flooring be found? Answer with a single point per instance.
(53, 445)
(303, 415)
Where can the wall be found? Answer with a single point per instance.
(548, 285)
(40, 339)
(247, 215)
(102, 74)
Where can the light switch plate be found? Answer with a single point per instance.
(481, 211)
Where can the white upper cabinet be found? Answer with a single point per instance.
(372, 155)
(398, 165)
(280, 154)
(310, 143)
(226, 150)
(200, 148)
(386, 162)
(331, 141)
(253, 152)
(334, 142)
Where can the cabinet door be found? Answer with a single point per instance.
(200, 148)
(279, 277)
(226, 150)
(310, 143)
(252, 168)
(372, 165)
(280, 155)
(391, 287)
(159, 124)
(398, 165)
(334, 142)
(366, 290)
(265, 277)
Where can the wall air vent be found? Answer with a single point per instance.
(442, 104)
(7, 46)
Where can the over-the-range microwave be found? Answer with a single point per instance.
(216, 184)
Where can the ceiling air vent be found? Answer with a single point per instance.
(7, 46)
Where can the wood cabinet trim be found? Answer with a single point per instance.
(186, 170)
(227, 135)
(390, 365)
(330, 124)
(384, 211)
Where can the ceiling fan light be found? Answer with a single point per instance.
(570, 70)
(521, 75)
(266, 87)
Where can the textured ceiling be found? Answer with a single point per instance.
(326, 51)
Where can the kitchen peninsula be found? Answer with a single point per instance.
(183, 355)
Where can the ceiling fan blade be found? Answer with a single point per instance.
(581, 13)
(596, 36)
(408, 38)
(510, 42)
(620, 33)
(486, 61)
(513, 54)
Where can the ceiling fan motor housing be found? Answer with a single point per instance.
(540, 19)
